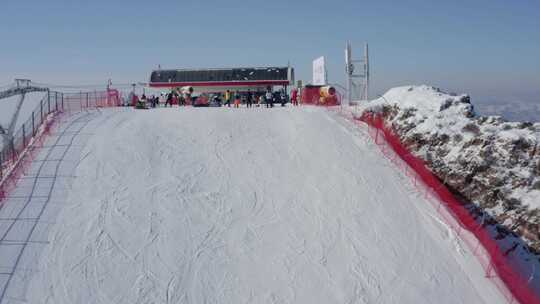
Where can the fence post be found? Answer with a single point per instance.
(1, 170)
(56, 101)
(24, 136)
(489, 269)
(33, 125)
(12, 144)
(62, 94)
(87, 100)
(48, 102)
(41, 109)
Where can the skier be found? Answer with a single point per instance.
(283, 97)
(243, 99)
(141, 104)
(237, 100)
(188, 99)
(228, 98)
(134, 100)
(294, 97)
(181, 100)
(249, 99)
(216, 101)
(169, 99)
(161, 99)
(268, 99)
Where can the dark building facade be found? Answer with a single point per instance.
(220, 79)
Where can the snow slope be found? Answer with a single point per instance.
(284, 205)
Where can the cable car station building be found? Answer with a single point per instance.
(220, 80)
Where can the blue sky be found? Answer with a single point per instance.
(489, 49)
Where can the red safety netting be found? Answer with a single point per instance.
(498, 265)
(16, 158)
(21, 165)
(75, 102)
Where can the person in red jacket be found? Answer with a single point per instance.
(294, 97)
(134, 100)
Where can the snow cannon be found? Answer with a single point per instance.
(320, 95)
(328, 96)
(327, 91)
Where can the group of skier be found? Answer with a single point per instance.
(228, 98)
(268, 98)
(174, 98)
(154, 101)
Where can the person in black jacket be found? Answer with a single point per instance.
(268, 99)
(169, 99)
(275, 98)
(249, 99)
(283, 97)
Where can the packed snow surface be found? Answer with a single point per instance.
(283, 205)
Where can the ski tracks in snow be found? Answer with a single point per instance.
(283, 205)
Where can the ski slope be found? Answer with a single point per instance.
(283, 205)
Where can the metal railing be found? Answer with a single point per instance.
(51, 104)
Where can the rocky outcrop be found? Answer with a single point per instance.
(492, 163)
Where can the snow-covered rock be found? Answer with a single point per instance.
(492, 163)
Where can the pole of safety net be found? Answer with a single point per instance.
(24, 135)
(80, 101)
(349, 70)
(48, 102)
(12, 147)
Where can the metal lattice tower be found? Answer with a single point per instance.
(21, 88)
(357, 71)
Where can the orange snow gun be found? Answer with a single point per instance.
(328, 96)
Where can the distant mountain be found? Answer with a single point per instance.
(512, 111)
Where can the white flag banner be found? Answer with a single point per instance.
(319, 71)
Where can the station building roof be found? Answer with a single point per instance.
(223, 77)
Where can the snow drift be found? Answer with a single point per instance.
(488, 161)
